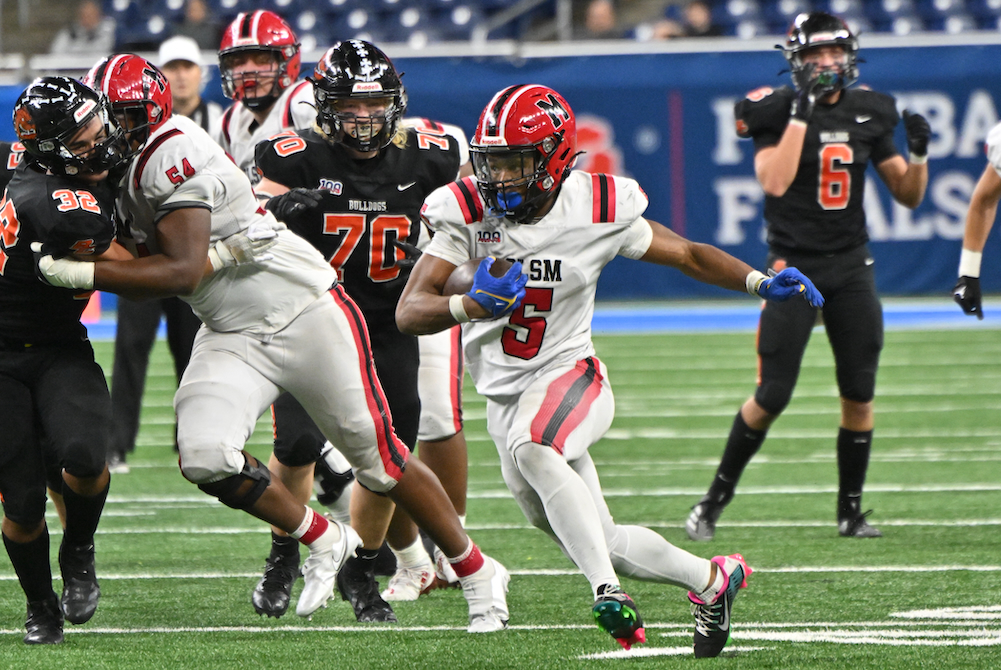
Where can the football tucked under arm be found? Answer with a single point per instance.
(461, 279)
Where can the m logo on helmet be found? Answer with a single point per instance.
(557, 113)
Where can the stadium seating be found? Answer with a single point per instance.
(321, 22)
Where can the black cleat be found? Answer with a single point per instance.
(857, 526)
(44, 622)
(357, 585)
(712, 620)
(80, 589)
(616, 614)
(271, 595)
(701, 525)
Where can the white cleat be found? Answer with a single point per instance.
(486, 593)
(319, 572)
(410, 583)
(443, 569)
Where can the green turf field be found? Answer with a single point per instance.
(177, 568)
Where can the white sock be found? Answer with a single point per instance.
(414, 556)
(569, 509)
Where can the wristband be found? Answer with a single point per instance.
(457, 309)
(753, 282)
(798, 122)
(918, 160)
(969, 263)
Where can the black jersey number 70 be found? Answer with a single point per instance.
(351, 227)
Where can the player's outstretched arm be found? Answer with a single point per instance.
(979, 221)
(183, 239)
(711, 265)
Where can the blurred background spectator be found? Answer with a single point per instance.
(600, 21)
(90, 33)
(695, 19)
(200, 25)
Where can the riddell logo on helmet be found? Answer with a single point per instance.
(493, 141)
(366, 87)
(83, 110)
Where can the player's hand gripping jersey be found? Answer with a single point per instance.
(366, 205)
(180, 167)
(822, 210)
(69, 217)
(595, 218)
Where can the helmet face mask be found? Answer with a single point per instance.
(139, 93)
(50, 117)
(523, 149)
(267, 43)
(360, 99)
(810, 32)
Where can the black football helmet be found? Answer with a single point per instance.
(51, 111)
(815, 29)
(357, 69)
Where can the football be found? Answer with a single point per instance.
(461, 279)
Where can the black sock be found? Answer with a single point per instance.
(31, 563)
(284, 545)
(82, 515)
(741, 446)
(853, 462)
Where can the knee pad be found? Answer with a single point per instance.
(329, 479)
(773, 397)
(243, 490)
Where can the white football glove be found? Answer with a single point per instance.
(248, 246)
(63, 272)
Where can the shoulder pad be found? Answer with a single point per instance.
(763, 109)
(616, 199)
(458, 202)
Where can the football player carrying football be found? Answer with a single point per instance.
(57, 410)
(527, 340)
(979, 221)
(353, 187)
(812, 144)
(272, 323)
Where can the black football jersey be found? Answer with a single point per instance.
(367, 205)
(10, 158)
(68, 217)
(822, 210)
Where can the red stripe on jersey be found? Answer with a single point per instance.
(392, 450)
(469, 199)
(603, 196)
(148, 151)
(287, 121)
(227, 117)
(567, 402)
(456, 364)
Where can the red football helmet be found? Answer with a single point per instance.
(259, 31)
(139, 94)
(523, 149)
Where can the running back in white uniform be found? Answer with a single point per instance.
(595, 217)
(238, 131)
(993, 147)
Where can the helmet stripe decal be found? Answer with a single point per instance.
(497, 111)
(109, 69)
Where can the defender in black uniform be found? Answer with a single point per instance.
(812, 146)
(57, 410)
(357, 184)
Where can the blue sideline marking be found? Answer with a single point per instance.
(723, 316)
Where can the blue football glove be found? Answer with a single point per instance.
(787, 284)
(498, 295)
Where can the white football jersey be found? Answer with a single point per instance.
(180, 167)
(238, 132)
(993, 143)
(595, 218)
